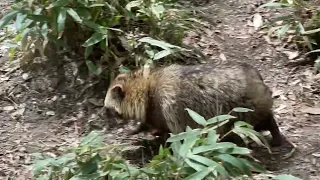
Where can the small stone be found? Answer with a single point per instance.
(8, 108)
(50, 113)
(25, 76)
(222, 57)
(54, 98)
(120, 130)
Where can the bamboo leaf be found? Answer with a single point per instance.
(286, 177)
(58, 4)
(158, 43)
(162, 54)
(93, 68)
(196, 166)
(222, 145)
(200, 174)
(283, 30)
(235, 162)
(19, 21)
(132, 4)
(39, 18)
(239, 109)
(61, 20)
(183, 135)
(220, 118)
(74, 15)
(44, 30)
(7, 18)
(94, 39)
(209, 163)
(196, 117)
(88, 51)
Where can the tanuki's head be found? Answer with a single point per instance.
(127, 96)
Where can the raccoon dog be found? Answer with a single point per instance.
(158, 97)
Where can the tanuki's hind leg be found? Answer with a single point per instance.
(270, 124)
(277, 138)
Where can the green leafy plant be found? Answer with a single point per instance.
(193, 154)
(302, 22)
(90, 160)
(294, 21)
(105, 34)
(198, 153)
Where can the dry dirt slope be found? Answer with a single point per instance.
(34, 117)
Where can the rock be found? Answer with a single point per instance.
(50, 113)
(25, 76)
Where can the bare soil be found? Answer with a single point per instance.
(39, 115)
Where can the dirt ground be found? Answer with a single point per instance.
(38, 115)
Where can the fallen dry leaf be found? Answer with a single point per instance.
(249, 23)
(267, 38)
(257, 21)
(96, 102)
(311, 110)
(276, 92)
(280, 108)
(18, 112)
(243, 37)
(292, 96)
(4, 78)
(295, 82)
(291, 55)
(316, 154)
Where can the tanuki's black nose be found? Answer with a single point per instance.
(111, 113)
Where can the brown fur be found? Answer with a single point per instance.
(158, 97)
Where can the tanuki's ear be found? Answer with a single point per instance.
(117, 92)
(121, 77)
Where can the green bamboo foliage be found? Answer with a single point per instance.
(115, 31)
(193, 154)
